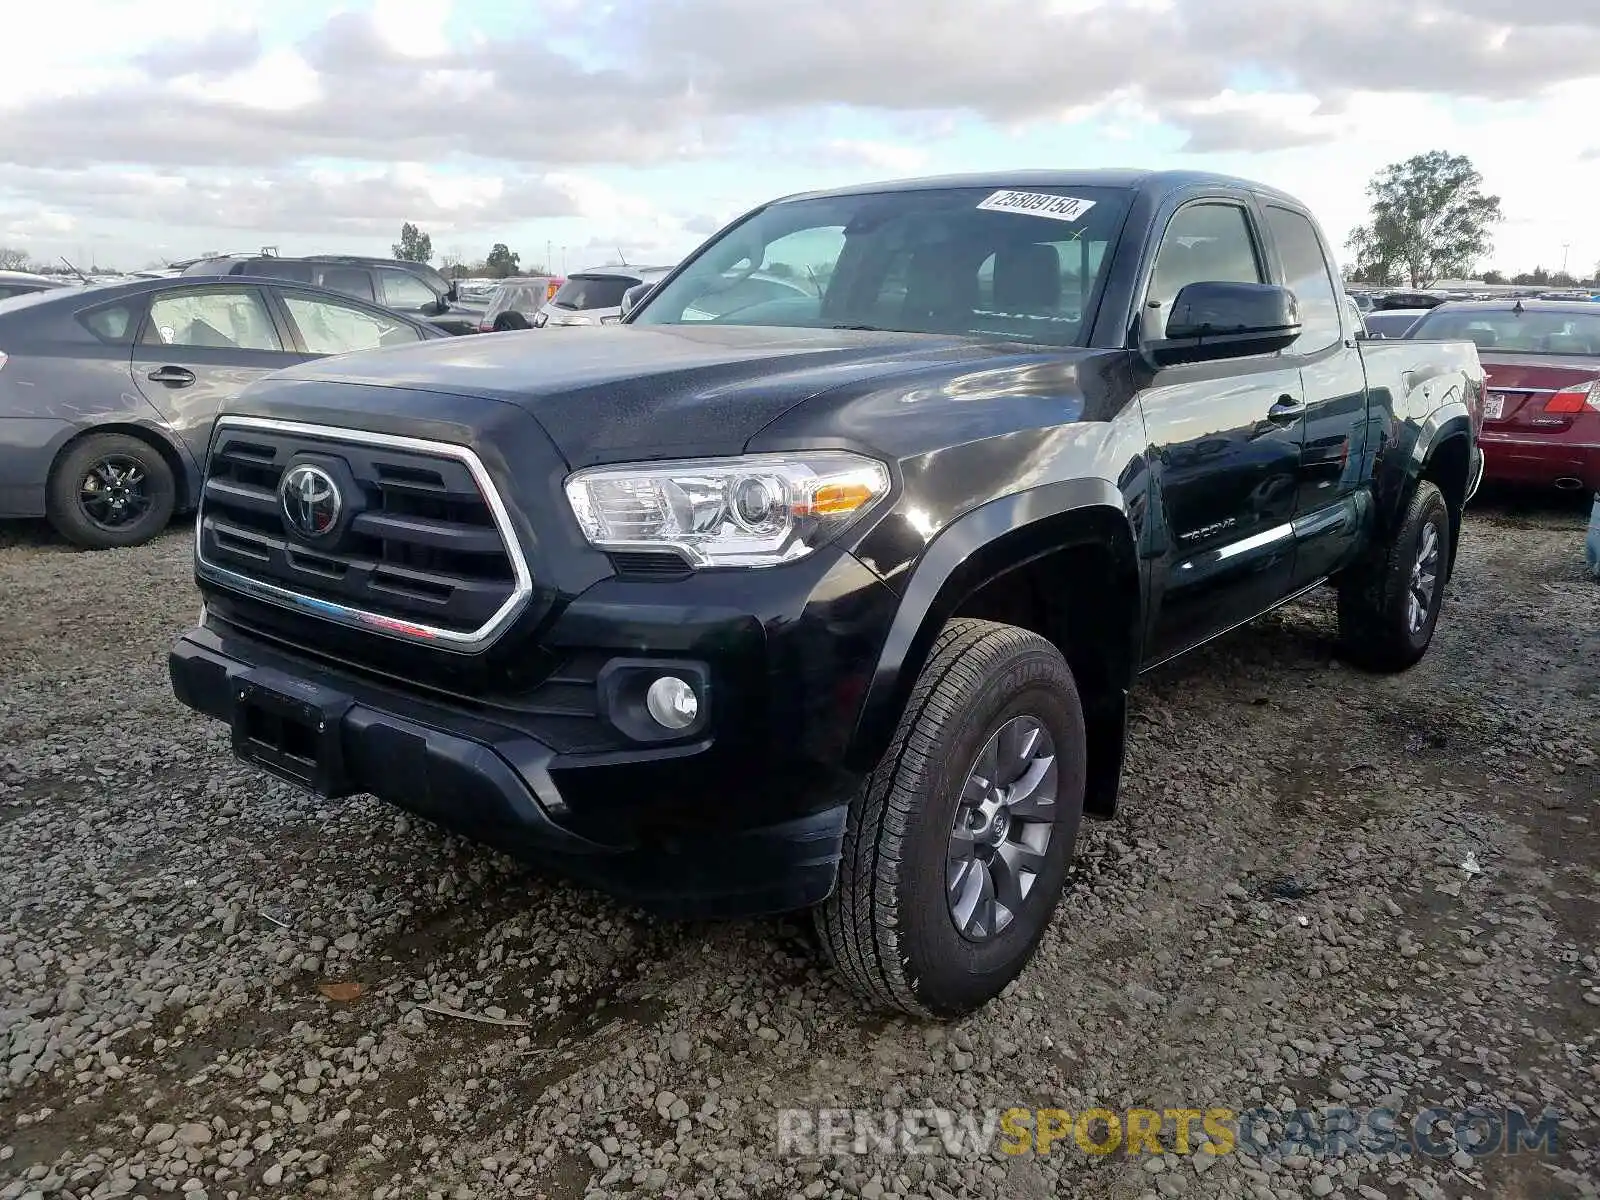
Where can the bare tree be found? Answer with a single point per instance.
(12, 259)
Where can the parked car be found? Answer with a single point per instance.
(1391, 322)
(414, 289)
(1407, 300)
(107, 392)
(1541, 420)
(21, 283)
(594, 297)
(831, 601)
(515, 302)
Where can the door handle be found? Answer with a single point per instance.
(1287, 408)
(172, 376)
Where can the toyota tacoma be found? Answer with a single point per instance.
(821, 580)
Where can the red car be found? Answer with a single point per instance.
(1541, 418)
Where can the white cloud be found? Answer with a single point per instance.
(878, 156)
(598, 112)
(278, 81)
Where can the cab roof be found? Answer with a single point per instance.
(1128, 179)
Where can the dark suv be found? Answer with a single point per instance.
(415, 289)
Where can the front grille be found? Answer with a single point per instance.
(420, 548)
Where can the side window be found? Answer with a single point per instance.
(327, 327)
(1305, 269)
(352, 281)
(112, 323)
(405, 291)
(1208, 242)
(275, 268)
(233, 319)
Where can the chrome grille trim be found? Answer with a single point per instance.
(408, 631)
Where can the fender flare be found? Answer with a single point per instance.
(1450, 419)
(996, 537)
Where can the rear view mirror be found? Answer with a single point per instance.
(1214, 320)
(631, 297)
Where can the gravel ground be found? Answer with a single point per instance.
(211, 985)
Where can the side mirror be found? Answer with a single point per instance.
(631, 297)
(1213, 320)
(453, 294)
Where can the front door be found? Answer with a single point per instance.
(1333, 500)
(200, 345)
(1224, 447)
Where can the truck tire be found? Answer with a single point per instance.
(933, 845)
(110, 490)
(1389, 604)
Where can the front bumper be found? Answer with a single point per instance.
(495, 783)
(540, 745)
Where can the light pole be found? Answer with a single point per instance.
(1565, 246)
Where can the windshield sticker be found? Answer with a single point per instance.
(1038, 204)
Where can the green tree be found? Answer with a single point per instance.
(502, 261)
(1430, 219)
(414, 245)
(1493, 277)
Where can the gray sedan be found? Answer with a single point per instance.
(108, 392)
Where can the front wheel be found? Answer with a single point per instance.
(958, 844)
(110, 490)
(1389, 604)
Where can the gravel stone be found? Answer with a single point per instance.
(1288, 849)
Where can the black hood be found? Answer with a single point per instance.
(614, 393)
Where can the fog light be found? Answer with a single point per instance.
(672, 703)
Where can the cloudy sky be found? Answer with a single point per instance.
(134, 130)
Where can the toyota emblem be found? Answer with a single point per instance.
(310, 500)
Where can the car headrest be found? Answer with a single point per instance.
(1027, 278)
(936, 290)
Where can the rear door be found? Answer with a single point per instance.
(200, 344)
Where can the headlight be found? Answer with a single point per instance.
(754, 511)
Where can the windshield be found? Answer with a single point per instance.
(1504, 330)
(1022, 265)
(582, 292)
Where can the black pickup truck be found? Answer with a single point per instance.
(822, 580)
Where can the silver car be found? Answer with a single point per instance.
(108, 391)
(594, 297)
